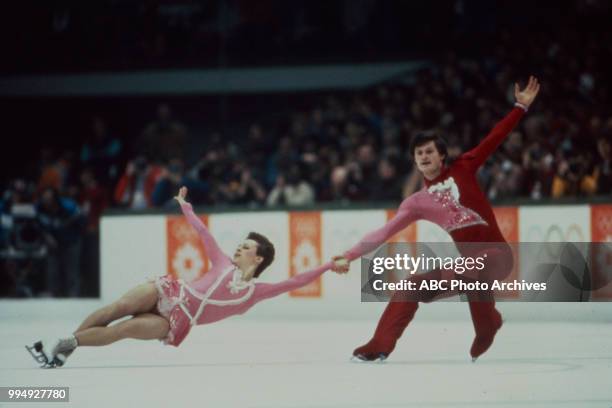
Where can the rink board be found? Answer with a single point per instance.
(138, 248)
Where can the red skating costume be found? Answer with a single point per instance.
(454, 201)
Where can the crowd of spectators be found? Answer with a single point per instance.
(353, 147)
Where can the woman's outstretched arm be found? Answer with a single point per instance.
(268, 290)
(215, 253)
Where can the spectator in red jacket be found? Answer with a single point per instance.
(135, 188)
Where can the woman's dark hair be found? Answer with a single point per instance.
(265, 249)
(422, 138)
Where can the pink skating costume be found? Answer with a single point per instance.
(220, 293)
(454, 201)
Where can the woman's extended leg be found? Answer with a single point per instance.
(139, 302)
(146, 326)
(140, 299)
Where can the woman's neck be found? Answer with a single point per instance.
(246, 273)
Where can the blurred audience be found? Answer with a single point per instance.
(602, 173)
(164, 138)
(62, 223)
(291, 190)
(101, 152)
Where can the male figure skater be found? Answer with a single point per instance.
(452, 199)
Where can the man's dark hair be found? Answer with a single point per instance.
(422, 138)
(265, 249)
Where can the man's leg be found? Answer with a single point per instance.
(486, 318)
(392, 323)
(487, 321)
(146, 326)
(401, 309)
(398, 314)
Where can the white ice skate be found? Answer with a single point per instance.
(41, 355)
(54, 355)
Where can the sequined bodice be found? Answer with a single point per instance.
(440, 204)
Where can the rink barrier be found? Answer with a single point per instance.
(137, 247)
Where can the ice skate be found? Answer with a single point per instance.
(62, 349)
(369, 358)
(55, 355)
(487, 321)
(42, 354)
(395, 318)
(372, 351)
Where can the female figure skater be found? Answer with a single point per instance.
(167, 308)
(453, 200)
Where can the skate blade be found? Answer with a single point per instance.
(359, 359)
(37, 354)
(58, 361)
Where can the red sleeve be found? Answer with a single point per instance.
(478, 155)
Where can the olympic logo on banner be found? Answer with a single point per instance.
(187, 262)
(183, 232)
(555, 233)
(186, 255)
(304, 230)
(305, 256)
(305, 249)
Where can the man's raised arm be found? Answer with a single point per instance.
(478, 155)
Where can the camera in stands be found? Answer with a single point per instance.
(23, 237)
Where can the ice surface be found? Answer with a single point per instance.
(268, 363)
